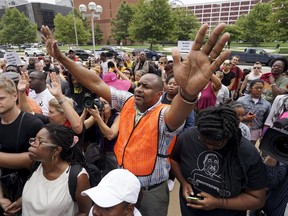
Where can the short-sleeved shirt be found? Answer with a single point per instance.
(278, 107)
(238, 75)
(162, 166)
(227, 78)
(202, 168)
(245, 131)
(14, 138)
(261, 109)
(281, 82)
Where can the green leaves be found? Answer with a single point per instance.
(65, 32)
(16, 28)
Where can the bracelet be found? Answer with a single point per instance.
(273, 84)
(62, 100)
(190, 102)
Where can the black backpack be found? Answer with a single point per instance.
(93, 171)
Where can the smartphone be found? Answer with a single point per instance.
(194, 197)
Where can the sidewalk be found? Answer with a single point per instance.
(174, 207)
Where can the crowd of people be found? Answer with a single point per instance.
(199, 120)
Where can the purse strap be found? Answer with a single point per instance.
(18, 132)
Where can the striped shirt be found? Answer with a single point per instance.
(162, 167)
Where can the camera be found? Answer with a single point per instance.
(110, 64)
(275, 141)
(89, 102)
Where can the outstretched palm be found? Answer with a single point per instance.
(50, 42)
(195, 71)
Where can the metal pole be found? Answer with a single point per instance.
(74, 19)
(93, 36)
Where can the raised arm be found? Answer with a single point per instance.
(69, 111)
(86, 77)
(216, 83)
(243, 86)
(195, 72)
(22, 85)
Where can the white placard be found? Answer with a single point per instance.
(12, 58)
(185, 46)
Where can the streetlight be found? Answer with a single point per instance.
(95, 9)
(74, 19)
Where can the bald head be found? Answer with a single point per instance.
(156, 81)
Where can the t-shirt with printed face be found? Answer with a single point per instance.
(202, 168)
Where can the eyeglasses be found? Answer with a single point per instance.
(35, 142)
(11, 71)
(256, 67)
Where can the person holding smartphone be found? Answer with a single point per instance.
(220, 172)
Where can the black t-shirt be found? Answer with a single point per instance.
(202, 168)
(227, 78)
(9, 135)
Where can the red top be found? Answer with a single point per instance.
(208, 98)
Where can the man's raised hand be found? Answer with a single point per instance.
(195, 71)
(50, 42)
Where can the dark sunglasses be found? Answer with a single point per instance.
(256, 68)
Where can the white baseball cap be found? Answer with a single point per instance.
(117, 186)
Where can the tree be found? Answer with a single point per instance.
(186, 23)
(279, 18)
(121, 22)
(98, 34)
(254, 25)
(152, 21)
(64, 29)
(235, 32)
(16, 28)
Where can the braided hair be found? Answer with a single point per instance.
(219, 123)
(64, 137)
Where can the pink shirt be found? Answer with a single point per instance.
(207, 99)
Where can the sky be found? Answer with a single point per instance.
(184, 1)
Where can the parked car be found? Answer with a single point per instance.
(4, 47)
(150, 54)
(253, 55)
(24, 46)
(113, 50)
(33, 52)
(82, 54)
(2, 54)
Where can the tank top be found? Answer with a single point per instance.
(207, 99)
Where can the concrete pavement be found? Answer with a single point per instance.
(174, 206)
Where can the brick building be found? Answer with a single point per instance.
(110, 8)
(227, 11)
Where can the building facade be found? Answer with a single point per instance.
(110, 8)
(40, 13)
(227, 11)
(212, 13)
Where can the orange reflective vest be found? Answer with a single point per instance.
(136, 148)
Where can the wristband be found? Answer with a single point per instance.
(62, 100)
(187, 101)
(273, 84)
